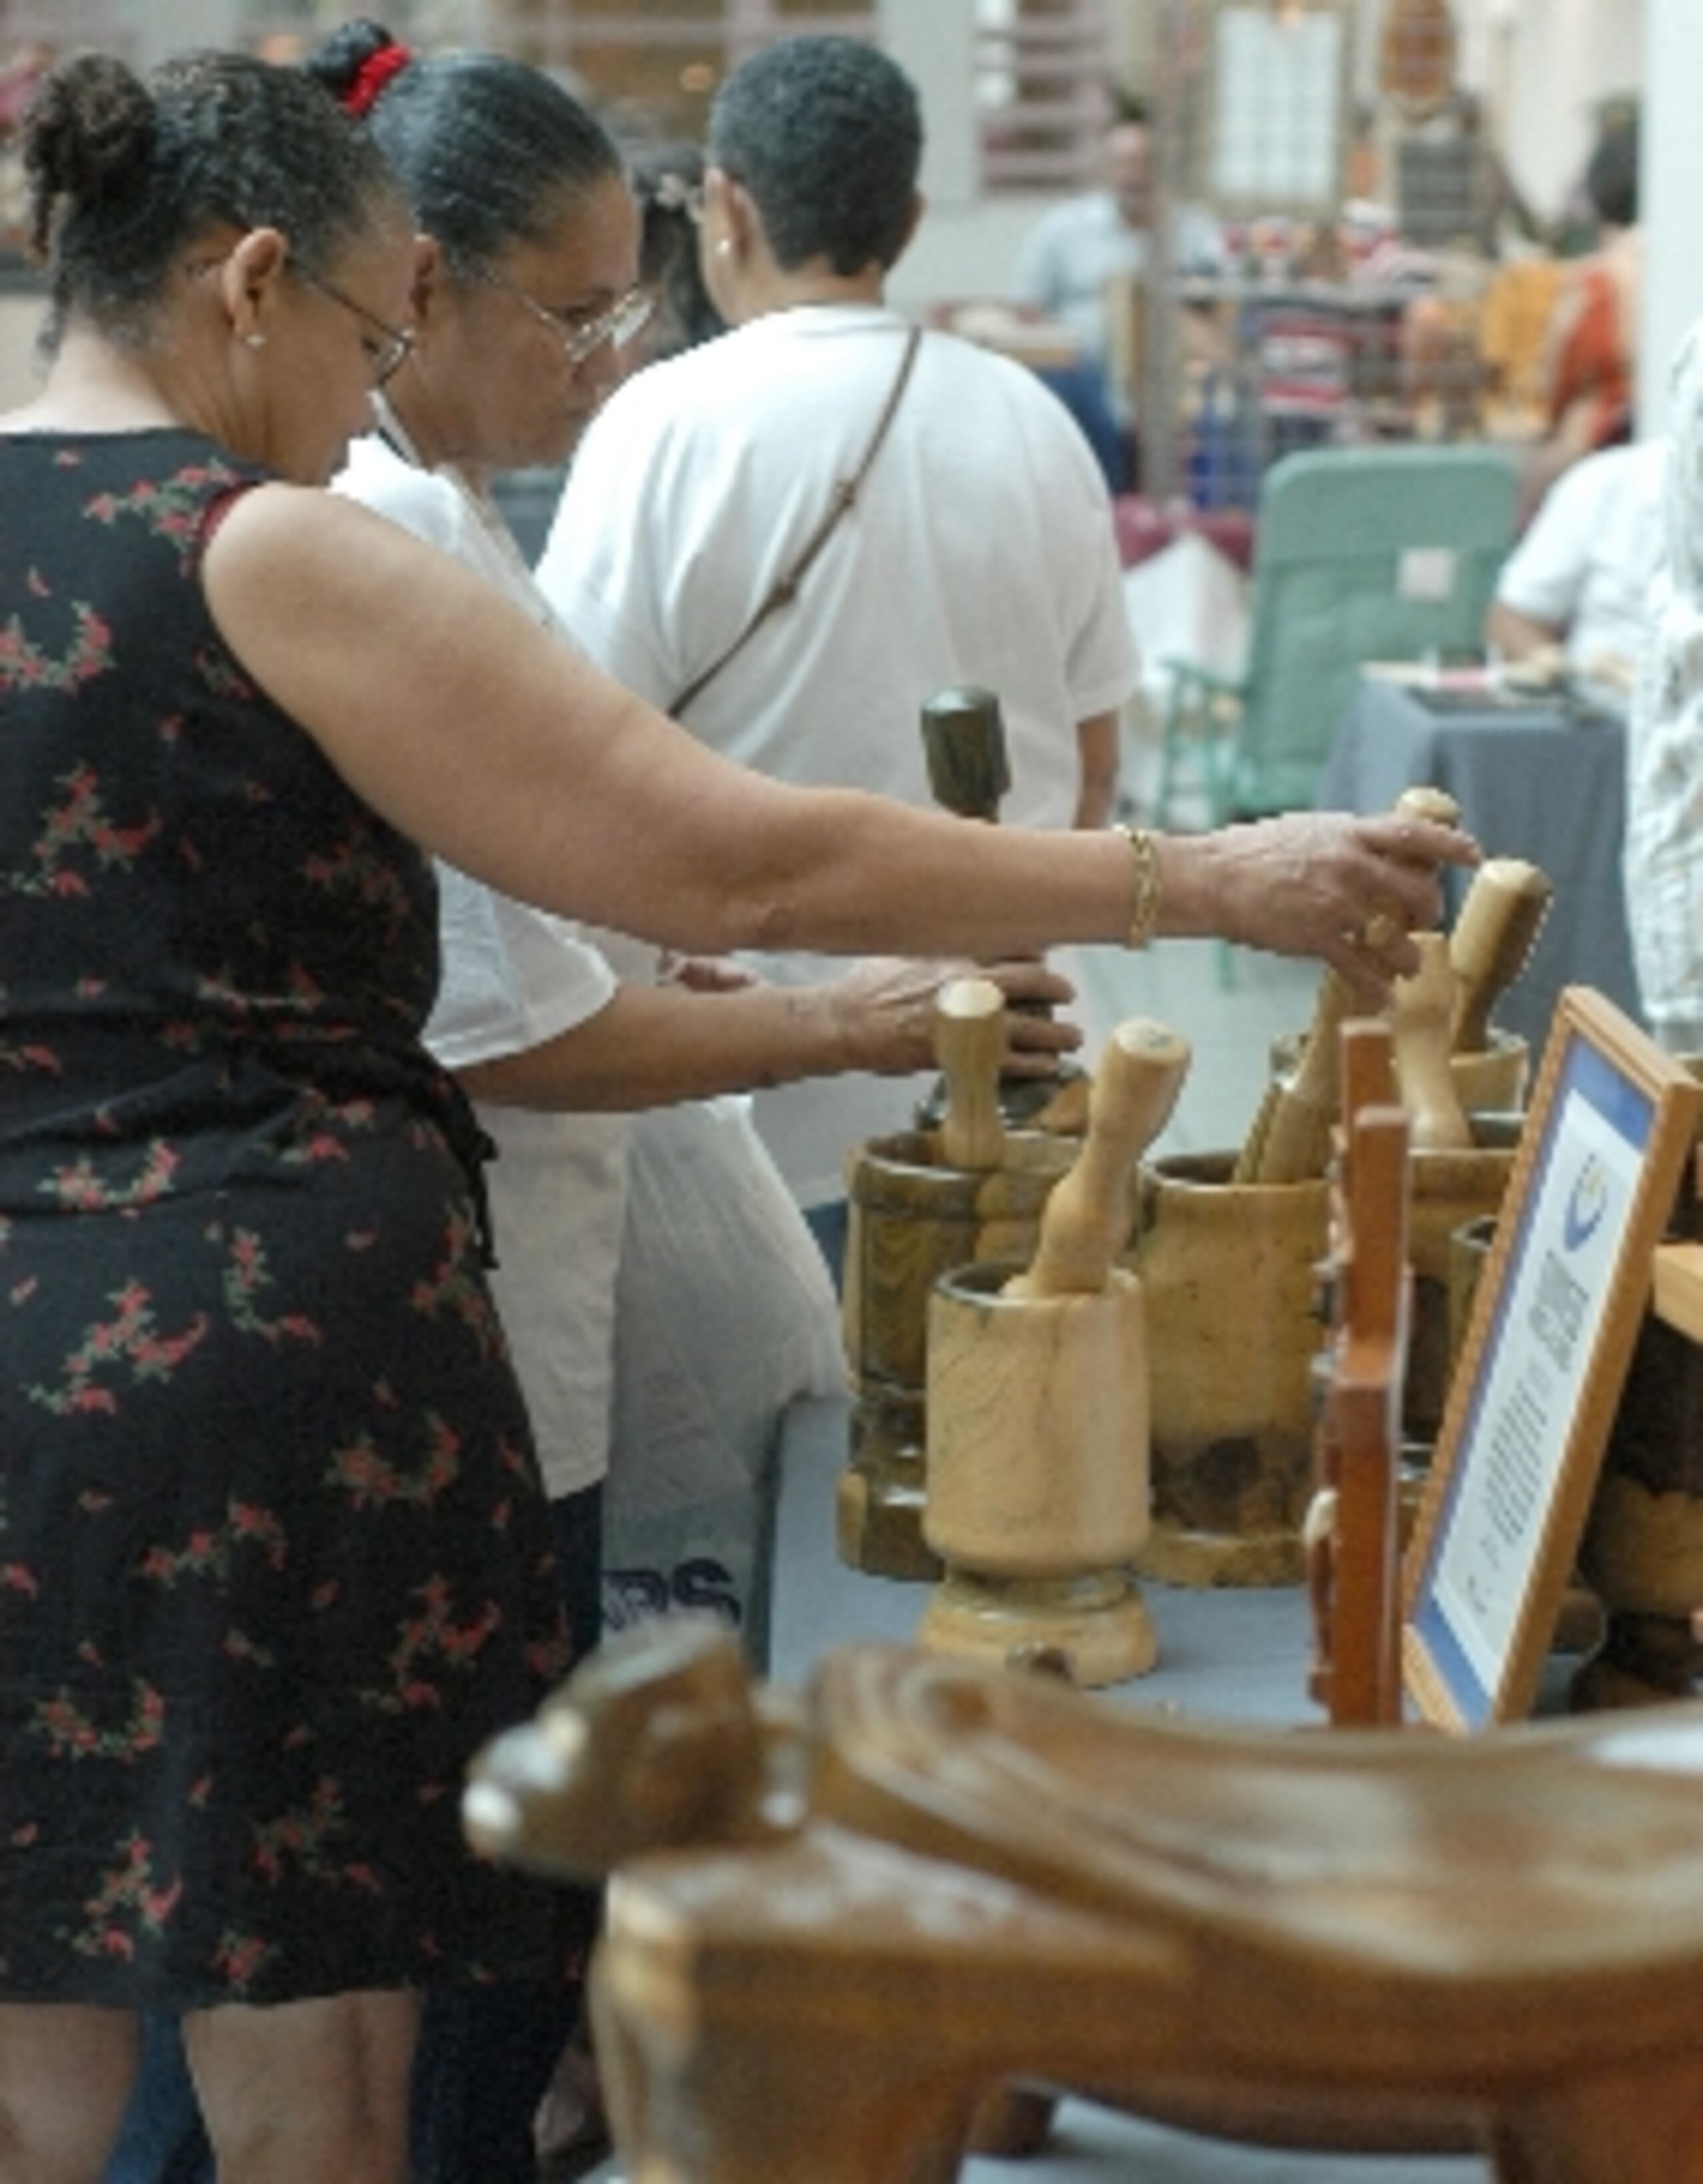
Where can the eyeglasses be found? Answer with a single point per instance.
(395, 345)
(582, 336)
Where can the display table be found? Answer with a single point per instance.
(1536, 778)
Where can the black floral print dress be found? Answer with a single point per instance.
(274, 1556)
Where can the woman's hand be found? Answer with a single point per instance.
(885, 1008)
(1347, 890)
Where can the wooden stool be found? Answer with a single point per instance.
(934, 1877)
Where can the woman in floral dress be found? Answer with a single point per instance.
(273, 1555)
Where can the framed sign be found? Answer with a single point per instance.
(1540, 1372)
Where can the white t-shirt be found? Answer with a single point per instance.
(513, 978)
(1589, 555)
(981, 550)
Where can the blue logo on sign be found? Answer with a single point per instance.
(1586, 1205)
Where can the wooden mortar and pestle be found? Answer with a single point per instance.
(921, 1203)
(1037, 1406)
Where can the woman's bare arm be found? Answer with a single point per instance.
(652, 1045)
(495, 746)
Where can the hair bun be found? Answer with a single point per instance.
(388, 61)
(356, 62)
(88, 135)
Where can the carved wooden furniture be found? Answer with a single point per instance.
(928, 1878)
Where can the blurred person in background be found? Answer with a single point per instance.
(668, 182)
(1576, 587)
(822, 430)
(1088, 256)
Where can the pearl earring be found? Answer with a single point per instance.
(255, 341)
(724, 248)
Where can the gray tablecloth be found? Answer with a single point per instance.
(1536, 781)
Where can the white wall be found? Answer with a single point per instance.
(1564, 55)
(1673, 190)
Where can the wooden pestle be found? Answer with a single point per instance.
(1290, 1140)
(1085, 1223)
(969, 1044)
(1420, 1013)
(964, 743)
(1421, 801)
(1493, 936)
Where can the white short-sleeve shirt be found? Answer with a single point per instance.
(513, 978)
(980, 550)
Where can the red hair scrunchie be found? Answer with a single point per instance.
(371, 76)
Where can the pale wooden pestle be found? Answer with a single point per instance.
(969, 1045)
(1421, 1012)
(1290, 1138)
(1493, 936)
(1086, 1222)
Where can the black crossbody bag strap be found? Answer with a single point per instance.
(784, 588)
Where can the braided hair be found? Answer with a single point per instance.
(122, 172)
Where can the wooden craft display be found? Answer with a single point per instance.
(1353, 1524)
(1037, 1491)
(1291, 1137)
(920, 1203)
(1227, 1245)
(1455, 1176)
(1330, 1937)
(1228, 1273)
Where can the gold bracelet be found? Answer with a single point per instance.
(1144, 897)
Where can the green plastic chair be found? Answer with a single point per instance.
(1360, 554)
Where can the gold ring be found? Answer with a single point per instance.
(1378, 931)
